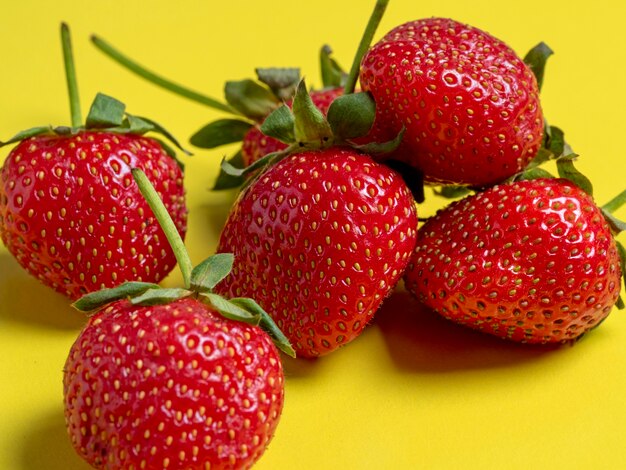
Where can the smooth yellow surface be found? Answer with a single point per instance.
(414, 391)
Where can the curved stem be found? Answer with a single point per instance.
(70, 75)
(155, 79)
(166, 223)
(366, 40)
(615, 203)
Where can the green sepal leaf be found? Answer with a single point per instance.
(267, 323)
(452, 192)
(280, 125)
(310, 124)
(137, 125)
(95, 300)
(555, 140)
(160, 296)
(211, 271)
(351, 116)
(105, 112)
(27, 134)
(230, 310)
(159, 129)
(250, 98)
(224, 180)
(220, 132)
(258, 164)
(620, 303)
(536, 59)
(533, 174)
(566, 169)
(333, 76)
(617, 225)
(282, 81)
(543, 155)
(381, 148)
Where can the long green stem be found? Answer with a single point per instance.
(152, 77)
(166, 223)
(366, 40)
(70, 74)
(615, 203)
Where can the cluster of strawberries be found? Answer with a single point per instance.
(323, 230)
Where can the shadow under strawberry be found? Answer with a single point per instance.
(419, 340)
(46, 445)
(27, 301)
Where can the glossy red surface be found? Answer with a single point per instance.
(532, 261)
(319, 241)
(469, 105)
(171, 386)
(73, 217)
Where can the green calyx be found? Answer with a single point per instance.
(617, 226)
(105, 114)
(536, 59)
(199, 281)
(304, 127)
(333, 76)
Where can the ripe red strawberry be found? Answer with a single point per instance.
(320, 239)
(70, 211)
(532, 261)
(171, 386)
(255, 144)
(469, 104)
(73, 217)
(173, 378)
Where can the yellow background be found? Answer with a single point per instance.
(413, 391)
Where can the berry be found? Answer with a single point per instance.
(73, 217)
(70, 211)
(171, 386)
(469, 105)
(320, 239)
(531, 261)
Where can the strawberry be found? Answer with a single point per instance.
(173, 378)
(320, 239)
(469, 105)
(71, 213)
(171, 386)
(72, 216)
(531, 261)
(323, 234)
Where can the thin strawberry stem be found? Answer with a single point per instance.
(366, 40)
(155, 79)
(166, 223)
(70, 75)
(615, 203)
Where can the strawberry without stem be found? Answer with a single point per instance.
(469, 104)
(171, 386)
(532, 261)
